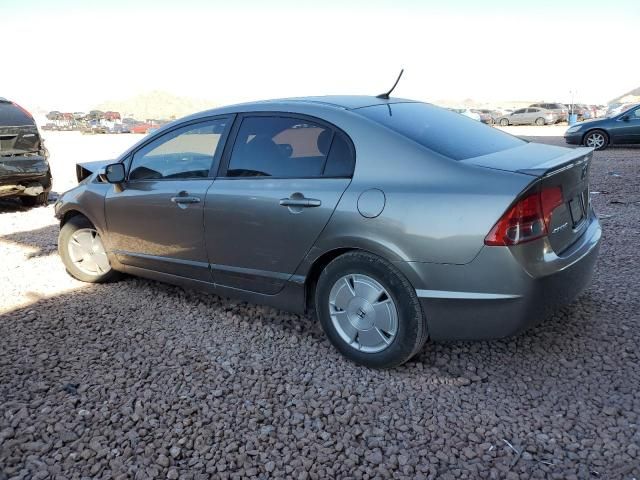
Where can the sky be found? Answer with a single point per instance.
(71, 55)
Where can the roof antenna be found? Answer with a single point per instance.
(385, 96)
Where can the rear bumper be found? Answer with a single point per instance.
(494, 296)
(24, 176)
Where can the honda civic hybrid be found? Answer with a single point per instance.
(391, 221)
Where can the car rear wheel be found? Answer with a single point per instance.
(596, 139)
(370, 311)
(540, 121)
(83, 252)
(32, 201)
(504, 122)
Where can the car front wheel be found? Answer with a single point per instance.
(504, 122)
(596, 139)
(370, 311)
(83, 252)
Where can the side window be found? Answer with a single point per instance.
(522, 110)
(635, 115)
(187, 152)
(279, 147)
(341, 161)
(532, 110)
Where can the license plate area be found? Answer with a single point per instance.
(577, 210)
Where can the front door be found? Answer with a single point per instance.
(627, 131)
(517, 117)
(155, 219)
(275, 193)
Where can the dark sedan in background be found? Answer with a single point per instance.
(24, 168)
(620, 129)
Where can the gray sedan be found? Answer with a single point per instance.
(391, 221)
(528, 116)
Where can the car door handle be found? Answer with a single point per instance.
(300, 202)
(185, 199)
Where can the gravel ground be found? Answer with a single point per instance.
(138, 379)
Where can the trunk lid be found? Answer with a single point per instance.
(551, 167)
(19, 140)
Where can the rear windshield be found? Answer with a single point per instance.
(448, 133)
(12, 116)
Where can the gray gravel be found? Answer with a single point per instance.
(138, 379)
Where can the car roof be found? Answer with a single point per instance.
(344, 102)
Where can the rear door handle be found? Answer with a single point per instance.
(185, 199)
(300, 202)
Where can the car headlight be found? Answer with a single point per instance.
(573, 129)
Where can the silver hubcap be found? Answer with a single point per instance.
(363, 313)
(87, 253)
(595, 140)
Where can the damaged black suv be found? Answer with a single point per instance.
(24, 168)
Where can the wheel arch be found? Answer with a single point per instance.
(594, 129)
(317, 265)
(69, 214)
(316, 268)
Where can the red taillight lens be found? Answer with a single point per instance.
(527, 220)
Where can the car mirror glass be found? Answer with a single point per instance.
(114, 173)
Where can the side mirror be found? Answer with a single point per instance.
(114, 173)
(626, 118)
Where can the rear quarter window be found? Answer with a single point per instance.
(447, 133)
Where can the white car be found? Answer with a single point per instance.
(466, 112)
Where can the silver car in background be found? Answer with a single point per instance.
(390, 220)
(560, 109)
(528, 116)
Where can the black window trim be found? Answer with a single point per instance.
(233, 136)
(217, 155)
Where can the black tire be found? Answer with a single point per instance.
(412, 327)
(591, 134)
(76, 223)
(504, 122)
(31, 201)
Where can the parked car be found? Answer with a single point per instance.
(142, 127)
(120, 128)
(466, 112)
(468, 233)
(487, 116)
(111, 116)
(24, 167)
(94, 127)
(617, 108)
(561, 110)
(528, 116)
(581, 112)
(618, 129)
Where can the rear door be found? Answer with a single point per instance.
(279, 184)
(155, 219)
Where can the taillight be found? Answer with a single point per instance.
(528, 219)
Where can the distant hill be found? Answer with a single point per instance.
(156, 105)
(630, 97)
